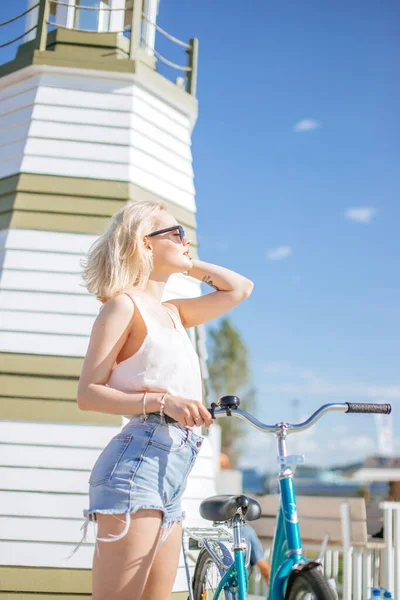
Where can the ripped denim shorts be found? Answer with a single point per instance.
(146, 465)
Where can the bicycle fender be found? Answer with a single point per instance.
(225, 556)
(299, 568)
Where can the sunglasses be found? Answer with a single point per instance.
(176, 227)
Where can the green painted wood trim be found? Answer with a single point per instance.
(99, 51)
(53, 222)
(65, 186)
(71, 188)
(31, 386)
(7, 203)
(78, 205)
(36, 596)
(38, 410)
(5, 221)
(72, 223)
(32, 364)
(41, 202)
(60, 38)
(44, 388)
(45, 580)
(47, 584)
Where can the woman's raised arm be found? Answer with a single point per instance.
(231, 289)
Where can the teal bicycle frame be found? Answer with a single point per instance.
(286, 550)
(287, 556)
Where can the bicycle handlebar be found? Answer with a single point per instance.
(347, 407)
(377, 409)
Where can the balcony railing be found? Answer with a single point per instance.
(131, 21)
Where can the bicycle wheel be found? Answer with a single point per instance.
(206, 579)
(309, 585)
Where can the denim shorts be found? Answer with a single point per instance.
(146, 465)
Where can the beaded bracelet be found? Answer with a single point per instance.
(144, 405)
(162, 404)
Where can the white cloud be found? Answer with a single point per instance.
(305, 381)
(279, 253)
(306, 125)
(361, 214)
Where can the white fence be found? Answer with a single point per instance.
(355, 568)
(391, 528)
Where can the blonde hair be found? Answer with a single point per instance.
(119, 259)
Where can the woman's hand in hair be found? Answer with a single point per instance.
(188, 413)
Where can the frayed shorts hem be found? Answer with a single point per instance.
(90, 516)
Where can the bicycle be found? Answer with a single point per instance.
(220, 575)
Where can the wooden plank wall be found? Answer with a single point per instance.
(99, 126)
(44, 473)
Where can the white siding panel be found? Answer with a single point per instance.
(18, 87)
(46, 323)
(161, 106)
(89, 116)
(156, 134)
(81, 459)
(54, 303)
(42, 282)
(76, 482)
(162, 188)
(19, 455)
(11, 150)
(11, 166)
(44, 308)
(143, 109)
(77, 150)
(42, 343)
(75, 168)
(14, 134)
(44, 480)
(16, 118)
(32, 504)
(84, 133)
(87, 83)
(39, 281)
(83, 99)
(46, 491)
(42, 261)
(61, 506)
(36, 554)
(17, 101)
(41, 530)
(53, 241)
(57, 434)
(57, 555)
(141, 143)
(165, 173)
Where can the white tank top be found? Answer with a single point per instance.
(165, 362)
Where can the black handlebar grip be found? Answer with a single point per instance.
(358, 407)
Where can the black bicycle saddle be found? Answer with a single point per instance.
(225, 507)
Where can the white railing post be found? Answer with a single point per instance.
(396, 527)
(388, 552)
(335, 565)
(347, 550)
(150, 9)
(357, 573)
(391, 555)
(367, 574)
(328, 564)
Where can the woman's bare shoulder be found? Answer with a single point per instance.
(120, 306)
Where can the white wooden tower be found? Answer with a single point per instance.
(87, 122)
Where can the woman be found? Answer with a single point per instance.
(140, 363)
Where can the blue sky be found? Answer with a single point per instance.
(296, 157)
